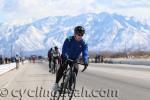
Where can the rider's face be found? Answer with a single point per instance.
(78, 37)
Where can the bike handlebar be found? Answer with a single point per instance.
(85, 67)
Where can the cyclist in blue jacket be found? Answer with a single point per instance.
(72, 48)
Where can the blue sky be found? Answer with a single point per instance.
(27, 10)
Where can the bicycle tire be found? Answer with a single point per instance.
(52, 68)
(60, 94)
(73, 84)
(65, 85)
(56, 66)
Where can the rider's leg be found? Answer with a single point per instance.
(61, 69)
(76, 69)
(54, 61)
(50, 65)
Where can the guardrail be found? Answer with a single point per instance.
(7, 67)
(130, 61)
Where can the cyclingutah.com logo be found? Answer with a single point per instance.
(40, 92)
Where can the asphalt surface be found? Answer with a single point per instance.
(32, 81)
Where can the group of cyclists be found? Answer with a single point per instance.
(73, 46)
(54, 59)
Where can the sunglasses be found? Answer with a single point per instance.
(79, 34)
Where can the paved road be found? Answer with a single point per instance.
(131, 82)
(99, 82)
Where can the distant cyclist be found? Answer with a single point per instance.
(17, 58)
(72, 48)
(50, 58)
(56, 55)
(1, 59)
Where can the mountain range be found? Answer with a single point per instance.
(104, 32)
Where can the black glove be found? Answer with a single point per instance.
(64, 57)
(85, 67)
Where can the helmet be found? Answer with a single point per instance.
(79, 30)
(17, 55)
(56, 47)
(50, 49)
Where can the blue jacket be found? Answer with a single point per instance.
(72, 49)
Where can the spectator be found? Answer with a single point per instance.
(1, 59)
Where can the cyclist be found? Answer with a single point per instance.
(17, 61)
(72, 48)
(1, 59)
(50, 57)
(56, 56)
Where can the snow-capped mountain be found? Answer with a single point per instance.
(104, 32)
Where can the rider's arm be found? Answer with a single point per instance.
(65, 49)
(85, 53)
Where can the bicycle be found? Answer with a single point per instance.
(52, 70)
(68, 82)
(56, 65)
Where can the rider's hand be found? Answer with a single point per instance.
(65, 57)
(85, 67)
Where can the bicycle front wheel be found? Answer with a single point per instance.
(72, 85)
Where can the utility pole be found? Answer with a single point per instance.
(11, 49)
(21, 51)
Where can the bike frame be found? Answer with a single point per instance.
(67, 76)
